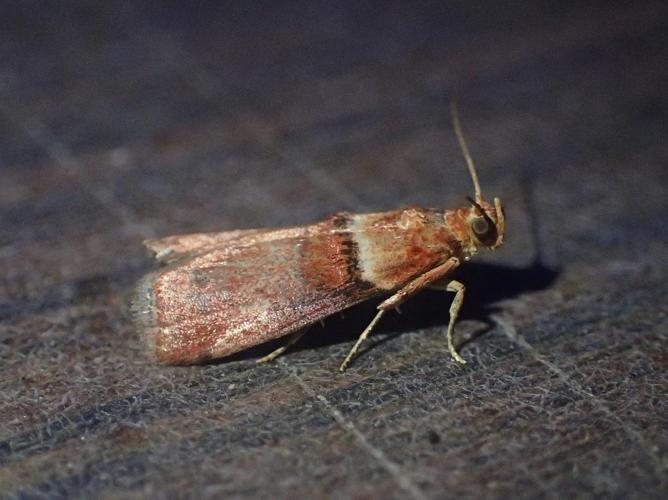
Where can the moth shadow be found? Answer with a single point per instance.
(486, 286)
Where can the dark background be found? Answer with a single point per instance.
(122, 121)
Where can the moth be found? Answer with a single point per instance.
(221, 293)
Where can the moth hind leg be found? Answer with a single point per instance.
(276, 353)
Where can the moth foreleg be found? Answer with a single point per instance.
(274, 354)
(419, 283)
(459, 289)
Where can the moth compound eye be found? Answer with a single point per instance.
(480, 226)
(484, 230)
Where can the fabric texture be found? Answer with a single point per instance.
(126, 121)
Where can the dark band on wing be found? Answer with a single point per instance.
(330, 259)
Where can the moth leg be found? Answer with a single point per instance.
(274, 354)
(400, 296)
(458, 288)
(360, 340)
(420, 283)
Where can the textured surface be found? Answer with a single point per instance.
(120, 123)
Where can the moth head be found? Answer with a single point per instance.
(487, 223)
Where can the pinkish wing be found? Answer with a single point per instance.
(230, 291)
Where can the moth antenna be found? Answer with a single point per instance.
(465, 150)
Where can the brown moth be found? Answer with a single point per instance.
(221, 293)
